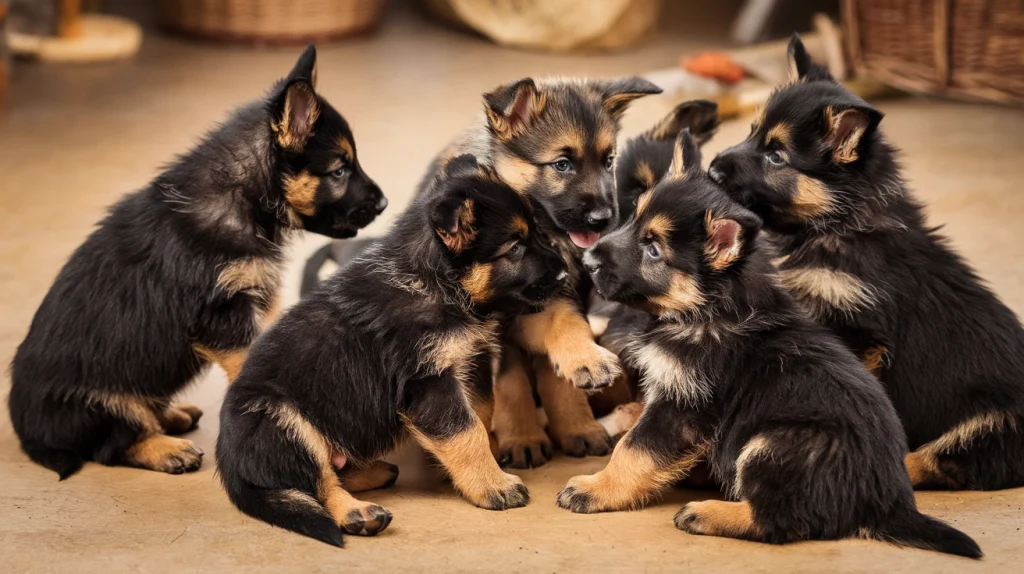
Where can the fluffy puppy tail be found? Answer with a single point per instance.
(64, 462)
(920, 531)
(290, 509)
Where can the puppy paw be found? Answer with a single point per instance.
(180, 418)
(582, 438)
(366, 520)
(596, 368)
(577, 495)
(165, 454)
(525, 451)
(511, 493)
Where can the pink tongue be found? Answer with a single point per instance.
(584, 240)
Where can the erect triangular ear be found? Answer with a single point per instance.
(725, 236)
(700, 116)
(305, 67)
(685, 155)
(453, 220)
(846, 128)
(801, 66)
(511, 108)
(296, 108)
(617, 94)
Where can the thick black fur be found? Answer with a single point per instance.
(950, 354)
(795, 426)
(120, 322)
(353, 357)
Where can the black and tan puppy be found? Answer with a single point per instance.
(181, 274)
(643, 160)
(403, 339)
(554, 142)
(856, 251)
(797, 430)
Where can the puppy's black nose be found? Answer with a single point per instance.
(598, 219)
(382, 204)
(591, 262)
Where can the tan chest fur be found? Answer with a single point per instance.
(454, 350)
(664, 376)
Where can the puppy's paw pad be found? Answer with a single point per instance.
(368, 520)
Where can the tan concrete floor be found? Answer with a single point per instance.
(79, 137)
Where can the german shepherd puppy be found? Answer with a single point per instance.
(800, 434)
(404, 338)
(181, 274)
(856, 251)
(554, 142)
(643, 161)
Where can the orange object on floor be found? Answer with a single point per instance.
(715, 65)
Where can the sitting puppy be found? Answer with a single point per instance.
(182, 274)
(856, 251)
(798, 432)
(404, 338)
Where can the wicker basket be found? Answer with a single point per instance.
(270, 21)
(971, 49)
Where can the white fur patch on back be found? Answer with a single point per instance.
(663, 376)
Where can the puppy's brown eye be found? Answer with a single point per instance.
(562, 165)
(515, 251)
(775, 158)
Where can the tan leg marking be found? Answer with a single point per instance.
(562, 333)
(474, 472)
(522, 442)
(631, 478)
(922, 468)
(378, 474)
(571, 423)
(230, 361)
(165, 454)
(719, 518)
(353, 516)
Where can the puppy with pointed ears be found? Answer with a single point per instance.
(554, 142)
(801, 436)
(402, 340)
(182, 274)
(856, 251)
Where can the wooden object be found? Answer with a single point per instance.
(968, 49)
(270, 21)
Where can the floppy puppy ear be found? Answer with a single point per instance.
(685, 156)
(296, 107)
(616, 95)
(801, 66)
(454, 222)
(461, 165)
(847, 128)
(512, 108)
(700, 116)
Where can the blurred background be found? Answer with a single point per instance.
(98, 94)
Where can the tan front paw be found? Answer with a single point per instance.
(508, 492)
(165, 454)
(528, 450)
(594, 367)
(586, 494)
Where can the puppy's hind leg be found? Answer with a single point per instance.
(719, 518)
(985, 452)
(439, 416)
(522, 442)
(150, 447)
(377, 474)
